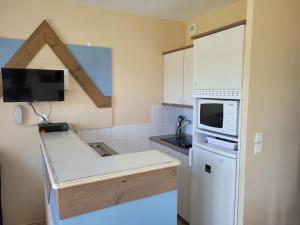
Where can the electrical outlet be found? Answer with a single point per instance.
(259, 138)
(258, 148)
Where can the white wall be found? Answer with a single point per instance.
(137, 66)
(272, 178)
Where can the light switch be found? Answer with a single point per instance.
(259, 138)
(258, 148)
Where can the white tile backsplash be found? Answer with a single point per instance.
(119, 133)
(188, 113)
(135, 137)
(88, 136)
(132, 131)
(145, 130)
(121, 146)
(169, 128)
(170, 115)
(123, 138)
(133, 145)
(157, 114)
(157, 128)
(145, 144)
(104, 134)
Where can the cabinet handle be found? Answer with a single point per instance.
(190, 157)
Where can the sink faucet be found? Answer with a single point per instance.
(181, 123)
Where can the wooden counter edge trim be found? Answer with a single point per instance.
(90, 197)
(178, 49)
(226, 27)
(178, 105)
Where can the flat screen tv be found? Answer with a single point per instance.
(32, 85)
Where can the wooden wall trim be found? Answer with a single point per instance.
(235, 24)
(44, 34)
(85, 198)
(178, 49)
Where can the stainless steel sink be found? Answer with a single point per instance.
(102, 149)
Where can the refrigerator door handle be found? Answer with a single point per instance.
(190, 157)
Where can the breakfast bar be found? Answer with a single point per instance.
(81, 187)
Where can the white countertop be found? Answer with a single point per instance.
(71, 162)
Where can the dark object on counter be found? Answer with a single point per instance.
(53, 127)
(182, 141)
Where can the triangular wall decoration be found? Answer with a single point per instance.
(44, 34)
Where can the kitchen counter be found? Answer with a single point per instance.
(158, 139)
(71, 162)
(82, 187)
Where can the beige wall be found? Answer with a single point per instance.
(226, 15)
(136, 42)
(272, 180)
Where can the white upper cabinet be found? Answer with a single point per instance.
(188, 77)
(178, 77)
(219, 60)
(173, 77)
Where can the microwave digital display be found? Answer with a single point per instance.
(211, 114)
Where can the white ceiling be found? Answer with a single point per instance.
(180, 10)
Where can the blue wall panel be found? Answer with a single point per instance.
(95, 61)
(8, 47)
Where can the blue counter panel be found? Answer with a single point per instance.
(96, 61)
(155, 210)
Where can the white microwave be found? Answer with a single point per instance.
(221, 116)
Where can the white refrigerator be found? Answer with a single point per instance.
(213, 187)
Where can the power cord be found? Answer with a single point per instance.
(44, 119)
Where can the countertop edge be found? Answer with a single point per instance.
(48, 167)
(87, 180)
(94, 179)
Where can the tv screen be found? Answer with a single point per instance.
(30, 85)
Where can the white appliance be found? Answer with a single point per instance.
(218, 115)
(213, 187)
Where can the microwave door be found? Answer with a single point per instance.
(211, 115)
(219, 116)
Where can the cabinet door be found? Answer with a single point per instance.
(183, 180)
(173, 78)
(188, 76)
(219, 59)
(184, 185)
(213, 188)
